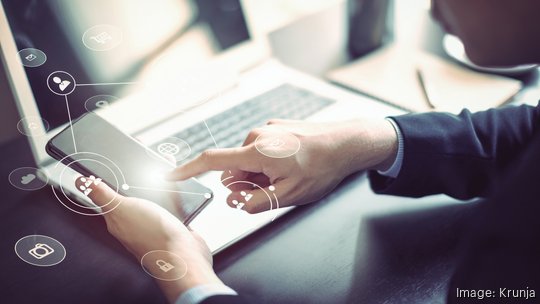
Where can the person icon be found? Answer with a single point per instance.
(62, 84)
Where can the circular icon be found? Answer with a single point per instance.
(172, 148)
(61, 83)
(112, 173)
(164, 265)
(86, 182)
(246, 194)
(32, 58)
(40, 250)
(168, 149)
(30, 126)
(102, 37)
(28, 178)
(277, 144)
(99, 102)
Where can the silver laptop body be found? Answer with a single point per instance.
(215, 81)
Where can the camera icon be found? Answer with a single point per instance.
(40, 251)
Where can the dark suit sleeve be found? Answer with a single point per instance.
(501, 248)
(458, 155)
(226, 299)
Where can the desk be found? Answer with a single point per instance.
(353, 246)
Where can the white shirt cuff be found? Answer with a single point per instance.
(393, 171)
(200, 293)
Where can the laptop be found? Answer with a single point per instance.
(194, 74)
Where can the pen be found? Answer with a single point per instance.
(422, 83)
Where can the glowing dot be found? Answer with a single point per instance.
(207, 195)
(125, 186)
(82, 188)
(83, 179)
(271, 188)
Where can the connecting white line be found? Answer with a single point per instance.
(104, 84)
(71, 124)
(226, 178)
(213, 139)
(211, 135)
(164, 190)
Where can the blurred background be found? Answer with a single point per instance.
(316, 36)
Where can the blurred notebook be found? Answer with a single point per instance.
(390, 74)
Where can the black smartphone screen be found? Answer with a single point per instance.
(93, 146)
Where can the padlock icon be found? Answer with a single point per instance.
(164, 266)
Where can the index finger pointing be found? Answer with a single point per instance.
(241, 158)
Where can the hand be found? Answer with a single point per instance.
(142, 226)
(327, 153)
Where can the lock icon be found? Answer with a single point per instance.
(164, 266)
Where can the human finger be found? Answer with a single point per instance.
(231, 176)
(242, 158)
(252, 136)
(259, 199)
(97, 191)
(279, 121)
(247, 182)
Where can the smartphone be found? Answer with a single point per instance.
(93, 146)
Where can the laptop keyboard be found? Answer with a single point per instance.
(232, 126)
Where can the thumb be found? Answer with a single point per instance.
(97, 191)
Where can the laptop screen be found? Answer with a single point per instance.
(96, 51)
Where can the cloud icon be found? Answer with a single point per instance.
(28, 178)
